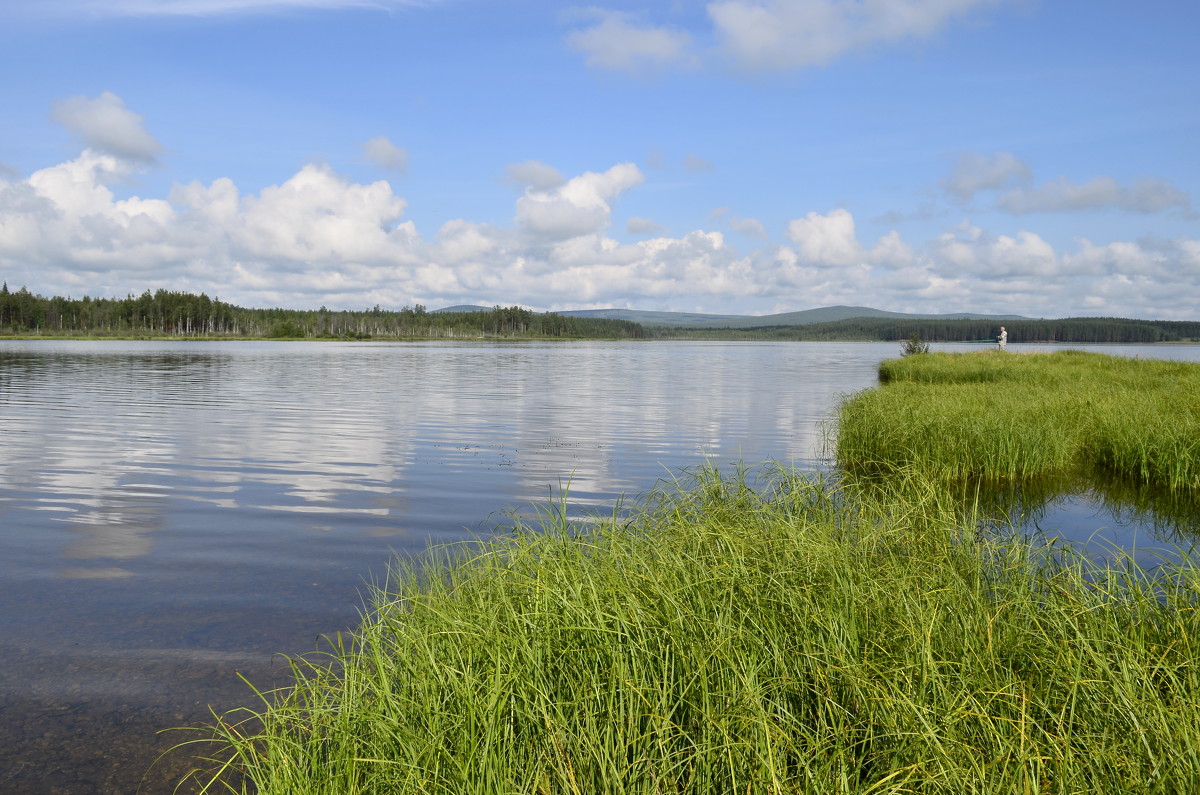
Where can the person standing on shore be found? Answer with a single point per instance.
(1003, 338)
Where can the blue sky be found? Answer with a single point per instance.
(1034, 157)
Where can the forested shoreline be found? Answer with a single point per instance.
(1068, 330)
(166, 313)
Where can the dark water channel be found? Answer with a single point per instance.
(174, 514)
(1112, 522)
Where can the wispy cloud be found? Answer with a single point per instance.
(1062, 195)
(790, 34)
(383, 153)
(621, 42)
(643, 226)
(534, 174)
(766, 35)
(105, 124)
(694, 163)
(196, 8)
(974, 173)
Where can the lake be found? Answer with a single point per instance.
(173, 514)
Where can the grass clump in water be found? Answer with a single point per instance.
(997, 417)
(786, 634)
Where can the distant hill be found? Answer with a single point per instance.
(828, 314)
(465, 308)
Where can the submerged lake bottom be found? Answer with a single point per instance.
(175, 515)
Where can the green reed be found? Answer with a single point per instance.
(768, 633)
(996, 417)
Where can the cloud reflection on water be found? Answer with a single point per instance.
(116, 439)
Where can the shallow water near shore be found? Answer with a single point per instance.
(174, 514)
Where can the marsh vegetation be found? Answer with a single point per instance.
(1019, 419)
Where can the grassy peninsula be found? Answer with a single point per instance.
(996, 417)
(769, 632)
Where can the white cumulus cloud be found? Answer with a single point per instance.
(67, 214)
(318, 237)
(580, 206)
(969, 250)
(319, 216)
(826, 240)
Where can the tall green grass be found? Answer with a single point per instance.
(778, 634)
(997, 417)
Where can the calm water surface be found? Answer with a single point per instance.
(174, 513)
